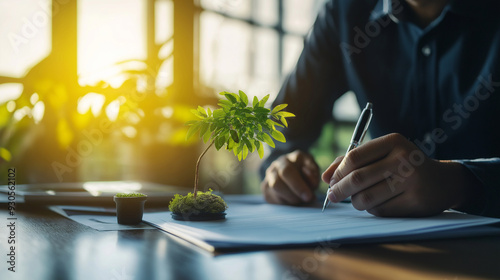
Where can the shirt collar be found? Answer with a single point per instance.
(387, 8)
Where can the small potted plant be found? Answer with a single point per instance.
(129, 207)
(238, 126)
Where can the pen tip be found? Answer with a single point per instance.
(325, 203)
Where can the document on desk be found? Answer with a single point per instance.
(99, 218)
(262, 225)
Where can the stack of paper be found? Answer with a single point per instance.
(251, 225)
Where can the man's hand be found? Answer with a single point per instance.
(291, 179)
(390, 176)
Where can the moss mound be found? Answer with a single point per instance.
(205, 202)
(130, 195)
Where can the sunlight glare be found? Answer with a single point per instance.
(112, 110)
(25, 29)
(34, 98)
(10, 91)
(21, 113)
(167, 112)
(109, 32)
(91, 101)
(11, 106)
(129, 131)
(38, 111)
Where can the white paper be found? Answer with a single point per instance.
(98, 218)
(267, 224)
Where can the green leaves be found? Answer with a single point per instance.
(276, 109)
(231, 98)
(268, 140)
(280, 115)
(193, 129)
(243, 98)
(238, 126)
(255, 102)
(219, 142)
(278, 136)
(234, 135)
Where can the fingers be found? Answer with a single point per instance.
(364, 166)
(291, 175)
(362, 179)
(399, 206)
(276, 191)
(367, 153)
(291, 179)
(374, 196)
(308, 167)
(327, 175)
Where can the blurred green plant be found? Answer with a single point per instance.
(49, 116)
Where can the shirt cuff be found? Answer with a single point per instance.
(487, 171)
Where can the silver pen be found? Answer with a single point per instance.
(357, 137)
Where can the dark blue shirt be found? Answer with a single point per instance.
(439, 86)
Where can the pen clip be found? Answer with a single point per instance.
(362, 125)
(365, 129)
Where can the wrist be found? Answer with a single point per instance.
(466, 190)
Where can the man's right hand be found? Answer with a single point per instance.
(291, 179)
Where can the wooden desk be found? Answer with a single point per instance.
(50, 246)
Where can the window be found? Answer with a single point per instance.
(109, 32)
(25, 32)
(67, 65)
(252, 45)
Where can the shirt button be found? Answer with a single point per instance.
(426, 50)
(427, 137)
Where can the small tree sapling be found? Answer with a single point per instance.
(238, 126)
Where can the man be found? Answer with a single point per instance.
(431, 68)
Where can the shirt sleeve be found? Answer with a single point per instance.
(487, 171)
(312, 87)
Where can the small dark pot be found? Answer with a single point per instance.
(129, 210)
(199, 217)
